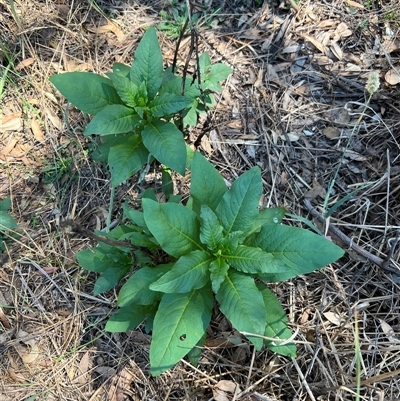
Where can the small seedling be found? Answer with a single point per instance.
(218, 249)
(136, 108)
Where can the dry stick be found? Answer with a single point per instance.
(346, 240)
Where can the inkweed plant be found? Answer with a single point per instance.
(217, 249)
(136, 108)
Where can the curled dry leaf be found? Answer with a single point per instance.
(388, 330)
(10, 122)
(334, 318)
(27, 348)
(83, 368)
(336, 50)
(57, 123)
(319, 45)
(223, 388)
(8, 148)
(25, 63)
(392, 77)
(331, 132)
(316, 190)
(354, 4)
(342, 31)
(108, 27)
(37, 130)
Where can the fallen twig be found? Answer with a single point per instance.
(383, 263)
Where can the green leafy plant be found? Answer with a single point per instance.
(174, 18)
(136, 108)
(7, 224)
(217, 249)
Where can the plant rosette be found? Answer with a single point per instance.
(221, 249)
(136, 108)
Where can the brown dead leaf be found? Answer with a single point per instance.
(392, 77)
(336, 50)
(316, 190)
(108, 27)
(37, 130)
(7, 150)
(20, 150)
(327, 23)
(354, 4)
(84, 367)
(391, 45)
(27, 348)
(16, 376)
(54, 119)
(63, 10)
(388, 330)
(334, 318)
(331, 132)
(316, 43)
(206, 145)
(11, 122)
(342, 31)
(223, 388)
(25, 63)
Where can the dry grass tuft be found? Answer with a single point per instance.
(297, 106)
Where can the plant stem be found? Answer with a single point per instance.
(110, 209)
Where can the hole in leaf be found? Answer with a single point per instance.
(182, 337)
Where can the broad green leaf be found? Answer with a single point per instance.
(167, 103)
(149, 194)
(207, 185)
(242, 303)
(276, 326)
(189, 273)
(219, 72)
(190, 115)
(267, 216)
(111, 277)
(205, 65)
(194, 354)
(232, 241)
(180, 322)
(210, 228)
(136, 289)
(5, 205)
(7, 222)
(94, 259)
(239, 206)
(104, 144)
(135, 216)
(127, 318)
(126, 89)
(147, 65)
(253, 261)
(113, 119)
(174, 226)
(211, 86)
(126, 159)
(300, 250)
(122, 70)
(191, 88)
(143, 240)
(167, 183)
(87, 91)
(165, 142)
(218, 271)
